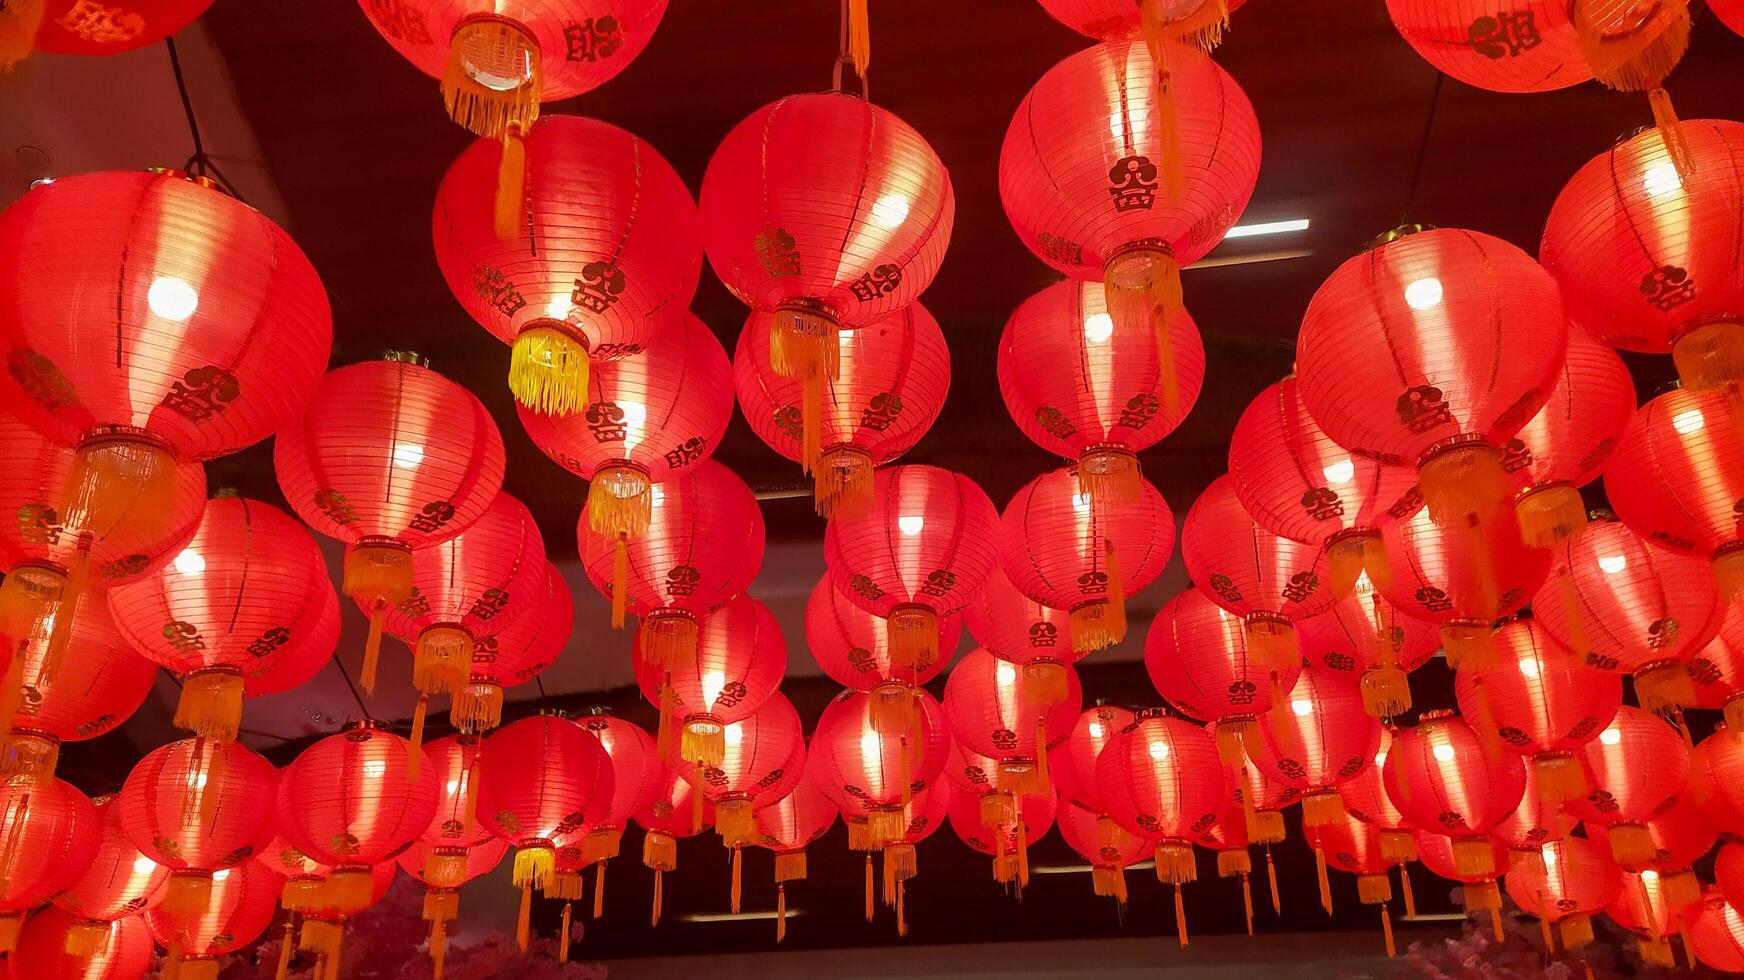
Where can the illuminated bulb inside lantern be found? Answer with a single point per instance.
(734, 734)
(171, 298)
(1442, 753)
(197, 780)
(557, 309)
(1688, 421)
(220, 875)
(1339, 472)
(1302, 707)
(1380, 759)
(1098, 327)
(870, 747)
(143, 865)
(1095, 729)
(1080, 502)
(1006, 674)
(189, 562)
(1661, 179)
(1549, 855)
(1650, 876)
(407, 455)
(1528, 666)
(910, 524)
(712, 683)
(890, 211)
(1612, 564)
(635, 422)
(1159, 751)
(1611, 736)
(1424, 294)
(375, 768)
(453, 786)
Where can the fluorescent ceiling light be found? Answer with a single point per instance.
(1081, 869)
(1268, 228)
(736, 916)
(1251, 258)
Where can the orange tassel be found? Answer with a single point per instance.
(738, 865)
(415, 745)
(523, 922)
(1247, 903)
(1272, 883)
(563, 935)
(599, 889)
(1410, 897)
(869, 876)
(1180, 917)
(780, 912)
(1320, 873)
(1387, 931)
(654, 916)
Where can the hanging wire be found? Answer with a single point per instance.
(201, 163)
(354, 692)
(541, 682)
(1422, 149)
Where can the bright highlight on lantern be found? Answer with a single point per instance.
(1267, 228)
(1302, 707)
(1380, 759)
(1098, 327)
(734, 734)
(1006, 674)
(172, 298)
(1688, 421)
(890, 211)
(1529, 666)
(1339, 472)
(870, 747)
(713, 681)
(1612, 564)
(1159, 751)
(453, 786)
(1442, 753)
(407, 455)
(910, 524)
(1095, 729)
(1611, 736)
(143, 865)
(1424, 294)
(221, 874)
(375, 768)
(189, 562)
(1661, 179)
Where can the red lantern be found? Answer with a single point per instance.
(1108, 847)
(827, 212)
(920, 552)
(787, 827)
(247, 589)
(1643, 248)
(1316, 740)
(1016, 628)
(543, 782)
(666, 820)
(1268, 580)
(1007, 844)
(1719, 762)
(530, 643)
(123, 952)
(1200, 22)
(1540, 700)
(637, 772)
(852, 645)
(390, 456)
(704, 546)
(1716, 932)
(1085, 552)
(1198, 658)
(1675, 475)
(1072, 763)
(1511, 46)
(1573, 881)
(1647, 907)
(1366, 639)
(1443, 776)
(972, 772)
(1260, 799)
(244, 898)
(1401, 360)
(1681, 836)
(1631, 607)
(1442, 856)
(1716, 671)
(197, 808)
(84, 28)
(878, 772)
(305, 879)
(763, 759)
(477, 861)
(51, 833)
(455, 826)
(1365, 798)
(890, 385)
(349, 801)
(1354, 847)
(919, 818)
(995, 709)
(1463, 579)
(1634, 771)
(740, 659)
(442, 901)
(1093, 391)
(119, 884)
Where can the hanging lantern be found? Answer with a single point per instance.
(1016, 628)
(348, 801)
(243, 900)
(455, 826)
(1716, 671)
(1072, 763)
(1401, 361)
(51, 834)
(1537, 820)
(1511, 46)
(1719, 766)
(1366, 640)
(1634, 770)
(119, 884)
(1643, 247)
(390, 457)
(762, 760)
(442, 900)
(1002, 711)
(1573, 881)
(1630, 607)
(79, 27)
(740, 659)
(637, 772)
(1198, 658)
(528, 645)
(787, 827)
(1446, 778)
(297, 665)
(1007, 844)
(1315, 740)
(1463, 579)
(1227, 838)
(920, 552)
(197, 808)
(1478, 889)
(1354, 847)
(1716, 931)
(1109, 848)
(1093, 391)
(879, 771)
(1199, 22)
(123, 952)
(852, 645)
(1125, 164)
(704, 546)
(1540, 700)
(1365, 798)
(972, 772)
(1267, 580)
(304, 880)
(1680, 836)
(890, 384)
(828, 213)
(1261, 799)
(919, 819)
(246, 589)
(1647, 908)
(1069, 548)
(665, 821)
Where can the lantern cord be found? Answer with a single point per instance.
(200, 163)
(854, 47)
(354, 692)
(1422, 149)
(543, 697)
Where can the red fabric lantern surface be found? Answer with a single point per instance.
(598, 257)
(1462, 579)
(795, 821)
(995, 709)
(1198, 658)
(1730, 13)
(455, 825)
(86, 28)
(1634, 771)
(1402, 360)
(1716, 671)
(1316, 740)
(119, 883)
(764, 758)
(1540, 700)
(1681, 836)
(51, 834)
(1016, 628)
(1072, 763)
(875, 772)
(1729, 872)
(828, 212)
(667, 819)
(920, 551)
(1508, 46)
(298, 665)
(244, 899)
(1573, 881)
(1365, 798)
(1675, 475)
(1633, 608)
(1720, 759)
(124, 951)
(1568, 442)
(890, 385)
(1086, 552)
(1716, 932)
(198, 808)
(304, 878)
(1103, 19)
(246, 590)
(971, 772)
(1354, 847)
(739, 662)
(1268, 580)
(542, 782)
(1643, 248)
(1367, 641)
(637, 772)
(1647, 907)
(1109, 848)
(1443, 776)
(1161, 779)
(1442, 856)
(703, 547)
(349, 801)
(1535, 822)
(1092, 390)
(852, 645)
(477, 861)
(1001, 842)
(523, 650)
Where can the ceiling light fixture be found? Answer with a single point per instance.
(1258, 228)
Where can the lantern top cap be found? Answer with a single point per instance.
(199, 179)
(1437, 714)
(226, 493)
(401, 356)
(1388, 237)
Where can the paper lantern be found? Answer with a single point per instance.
(1648, 908)
(972, 772)
(1108, 847)
(1716, 931)
(1675, 476)
(1072, 763)
(828, 213)
(666, 820)
(305, 879)
(787, 827)
(890, 385)
(763, 759)
(442, 901)
(1095, 391)
(119, 883)
(1642, 247)
(1316, 740)
(704, 546)
(1268, 580)
(1069, 548)
(740, 659)
(1365, 798)
(1365, 639)
(637, 771)
(1478, 891)
(1573, 881)
(1260, 798)
(1227, 838)
(852, 645)
(51, 834)
(455, 826)
(1447, 779)
(1462, 579)
(1007, 844)
(1718, 762)
(921, 550)
(1198, 657)
(919, 818)
(1540, 700)
(524, 649)
(995, 709)
(123, 952)
(1354, 847)
(878, 772)
(1401, 360)
(1634, 771)
(1716, 671)
(245, 590)
(1199, 22)
(1681, 836)
(84, 28)
(1016, 628)
(1512, 46)
(542, 782)
(243, 901)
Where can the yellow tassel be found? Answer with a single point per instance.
(654, 913)
(484, 52)
(1386, 692)
(886, 824)
(842, 482)
(1351, 555)
(696, 802)
(668, 705)
(534, 865)
(1631, 844)
(869, 875)
(1468, 645)
(1387, 933)
(601, 845)
(1175, 863)
(1574, 614)
(803, 340)
(1322, 809)
(1180, 917)
(512, 186)
(1729, 572)
(1711, 357)
(1044, 682)
(211, 704)
(738, 867)
(1655, 952)
(1398, 846)
(1143, 285)
(442, 659)
(790, 866)
(660, 851)
(415, 744)
(326, 940)
(1247, 904)
(1550, 514)
(704, 742)
(1320, 877)
(31, 756)
(19, 21)
(1664, 688)
(736, 822)
(72, 589)
(1546, 934)
(620, 502)
(1680, 888)
(372, 648)
(303, 892)
(1265, 827)
(1109, 474)
(189, 893)
(1231, 733)
(912, 635)
(901, 912)
(811, 421)
(563, 935)
(1528, 860)
(859, 36)
(477, 707)
(780, 913)
(198, 968)
(85, 939)
(378, 574)
(438, 948)
(1462, 482)
(621, 586)
(566, 885)
(287, 945)
(548, 369)
(1374, 889)
(523, 921)
(1576, 931)
(30, 592)
(1474, 857)
(669, 638)
(891, 709)
(350, 888)
(442, 903)
(1272, 883)
(1000, 810)
(1234, 862)
(1271, 640)
(444, 868)
(1405, 889)
(599, 889)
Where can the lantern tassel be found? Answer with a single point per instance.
(599, 890)
(1044, 785)
(1576, 931)
(869, 876)
(1548, 935)
(378, 574)
(372, 648)
(19, 21)
(287, 945)
(28, 755)
(810, 422)
(859, 36)
(1180, 918)
(1322, 809)
(563, 934)
(548, 369)
(512, 188)
(1550, 514)
(912, 635)
(471, 806)
(1320, 877)
(84, 939)
(1353, 554)
(663, 734)
(1271, 640)
(1574, 616)
(72, 589)
(1386, 692)
(213, 786)
(654, 913)
(1247, 904)
(1156, 36)
(442, 659)
(1468, 645)
(1665, 688)
(1265, 827)
(189, 893)
(704, 744)
(1272, 883)
(523, 921)
(1398, 846)
(1409, 895)
(500, 49)
(438, 948)
(620, 502)
(1102, 623)
(891, 709)
(415, 744)
(1143, 285)
(737, 889)
(696, 801)
(803, 341)
(621, 586)
(1109, 474)
(901, 911)
(842, 482)
(669, 638)
(780, 913)
(1711, 357)
(477, 707)
(1473, 857)
(1387, 933)
(1231, 733)
(211, 705)
(1462, 483)
(534, 866)
(1631, 844)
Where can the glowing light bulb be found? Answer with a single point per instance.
(713, 681)
(1529, 666)
(635, 422)
(1611, 736)
(1661, 179)
(1080, 502)
(1006, 674)
(189, 562)
(1688, 421)
(1095, 729)
(453, 786)
(407, 455)
(144, 866)
(221, 874)
(1549, 853)
(870, 746)
(1302, 707)
(734, 734)
(1159, 751)
(171, 298)
(1612, 564)
(910, 524)
(558, 309)
(1423, 294)
(1339, 472)
(375, 768)
(890, 211)
(1098, 327)
(1442, 753)
(1380, 759)
(1650, 876)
